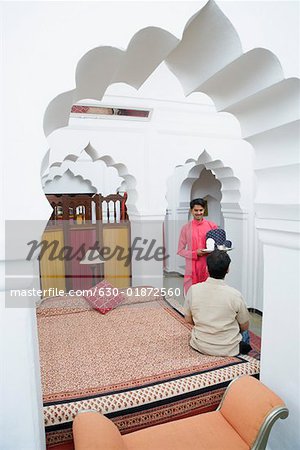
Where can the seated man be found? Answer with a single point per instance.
(217, 311)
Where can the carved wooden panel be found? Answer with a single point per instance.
(52, 271)
(116, 271)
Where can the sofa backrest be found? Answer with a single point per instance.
(246, 406)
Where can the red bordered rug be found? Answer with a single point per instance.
(154, 376)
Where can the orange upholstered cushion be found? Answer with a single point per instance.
(246, 406)
(92, 431)
(203, 432)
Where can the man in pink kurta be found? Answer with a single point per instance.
(192, 241)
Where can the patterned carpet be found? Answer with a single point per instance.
(133, 364)
(255, 342)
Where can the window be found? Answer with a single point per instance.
(100, 112)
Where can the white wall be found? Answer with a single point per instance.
(146, 152)
(265, 18)
(282, 366)
(40, 64)
(141, 148)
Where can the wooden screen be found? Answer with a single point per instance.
(83, 219)
(52, 271)
(81, 275)
(116, 271)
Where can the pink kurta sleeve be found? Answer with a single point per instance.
(184, 239)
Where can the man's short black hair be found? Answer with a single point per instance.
(197, 201)
(217, 263)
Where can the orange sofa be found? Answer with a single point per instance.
(243, 421)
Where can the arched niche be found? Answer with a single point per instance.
(225, 196)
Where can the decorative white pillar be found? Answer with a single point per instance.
(19, 344)
(169, 233)
(147, 249)
(181, 218)
(239, 230)
(22, 407)
(175, 219)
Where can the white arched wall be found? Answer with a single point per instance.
(68, 183)
(98, 159)
(267, 107)
(134, 141)
(236, 208)
(191, 187)
(81, 175)
(146, 184)
(247, 111)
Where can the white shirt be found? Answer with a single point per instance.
(217, 310)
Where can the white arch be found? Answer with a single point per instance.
(103, 66)
(235, 219)
(90, 172)
(69, 173)
(230, 184)
(251, 86)
(121, 168)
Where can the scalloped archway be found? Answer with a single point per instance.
(230, 184)
(232, 212)
(121, 168)
(209, 59)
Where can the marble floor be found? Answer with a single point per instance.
(174, 280)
